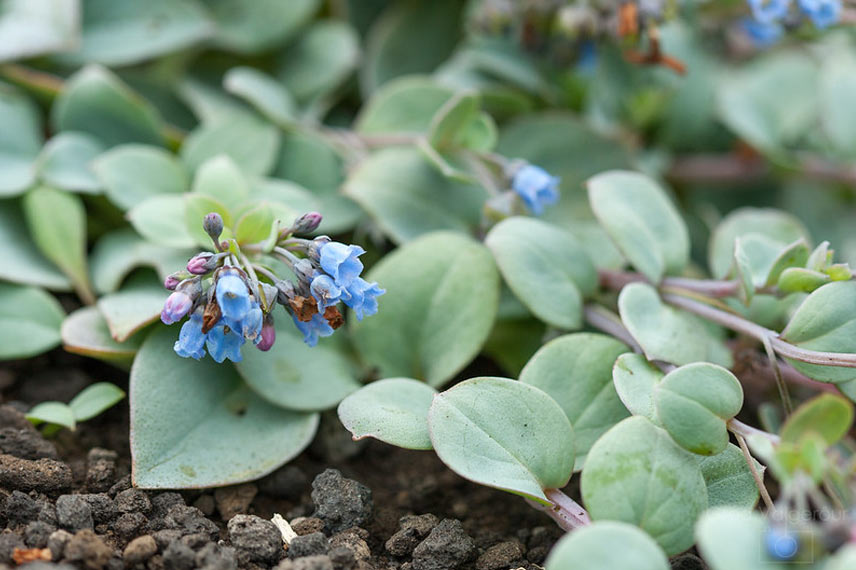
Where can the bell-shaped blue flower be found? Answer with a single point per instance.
(224, 343)
(536, 187)
(326, 292)
(362, 297)
(313, 329)
(191, 339)
(340, 262)
(769, 11)
(823, 13)
(251, 326)
(233, 297)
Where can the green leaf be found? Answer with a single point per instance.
(57, 222)
(635, 473)
(694, 402)
(513, 341)
(729, 480)
(634, 379)
(666, 333)
(742, 531)
(410, 37)
(827, 415)
(85, 332)
(451, 120)
(263, 92)
(117, 253)
(221, 179)
(641, 220)
(441, 299)
(22, 261)
(775, 225)
(393, 410)
(195, 424)
(52, 413)
(526, 449)
(407, 197)
(407, 105)
(254, 225)
(136, 305)
(771, 102)
(95, 399)
(836, 83)
(254, 27)
(295, 376)
(20, 139)
(801, 280)
(36, 27)
(133, 172)
(29, 321)
(825, 321)
(285, 200)
(66, 162)
(321, 59)
(545, 267)
(576, 371)
(161, 219)
(124, 32)
(96, 102)
(196, 207)
(251, 142)
(593, 547)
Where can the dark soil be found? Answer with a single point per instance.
(67, 500)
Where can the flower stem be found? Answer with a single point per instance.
(605, 320)
(566, 512)
(759, 481)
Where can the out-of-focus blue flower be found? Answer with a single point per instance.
(536, 187)
(326, 292)
(769, 11)
(223, 343)
(176, 306)
(233, 297)
(587, 58)
(780, 543)
(762, 35)
(340, 262)
(191, 339)
(362, 297)
(823, 13)
(313, 329)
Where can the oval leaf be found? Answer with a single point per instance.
(634, 379)
(743, 533)
(52, 413)
(827, 415)
(593, 547)
(729, 480)
(66, 160)
(133, 172)
(22, 261)
(95, 399)
(85, 332)
(248, 140)
(30, 320)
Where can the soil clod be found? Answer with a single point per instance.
(255, 539)
(341, 503)
(447, 547)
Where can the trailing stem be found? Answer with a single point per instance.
(566, 512)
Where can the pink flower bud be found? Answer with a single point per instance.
(177, 305)
(307, 223)
(172, 281)
(202, 263)
(268, 336)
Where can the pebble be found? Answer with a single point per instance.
(216, 557)
(321, 562)
(234, 500)
(102, 506)
(8, 543)
(205, 503)
(37, 533)
(57, 542)
(129, 525)
(20, 508)
(500, 556)
(255, 539)
(413, 529)
(177, 556)
(140, 549)
(73, 513)
(190, 520)
(342, 558)
(448, 546)
(87, 549)
(26, 443)
(133, 501)
(354, 539)
(44, 475)
(308, 545)
(100, 469)
(307, 525)
(341, 503)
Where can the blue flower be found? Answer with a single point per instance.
(223, 344)
(362, 297)
(780, 543)
(191, 339)
(769, 11)
(340, 262)
(176, 306)
(762, 35)
(251, 326)
(326, 292)
(823, 13)
(313, 329)
(536, 187)
(233, 297)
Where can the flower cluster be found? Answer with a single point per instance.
(230, 305)
(769, 17)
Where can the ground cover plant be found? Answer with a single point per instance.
(593, 254)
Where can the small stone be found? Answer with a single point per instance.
(133, 501)
(190, 520)
(321, 562)
(413, 530)
(447, 547)
(354, 539)
(86, 548)
(57, 542)
(287, 482)
(206, 504)
(166, 537)
(255, 539)
(26, 443)
(307, 525)
(163, 502)
(40, 565)
(195, 541)
(341, 503)
(20, 509)
(178, 557)
(140, 549)
(501, 556)
(129, 525)
(342, 558)
(102, 506)
(122, 484)
(8, 543)
(308, 545)
(215, 557)
(44, 475)
(100, 469)
(234, 500)
(37, 533)
(73, 513)
(421, 524)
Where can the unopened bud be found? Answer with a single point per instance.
(203, 263)
(213, 225)
(268, 335)
(307, 223)
(304, 270)
(177, 305)
(172, 280)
